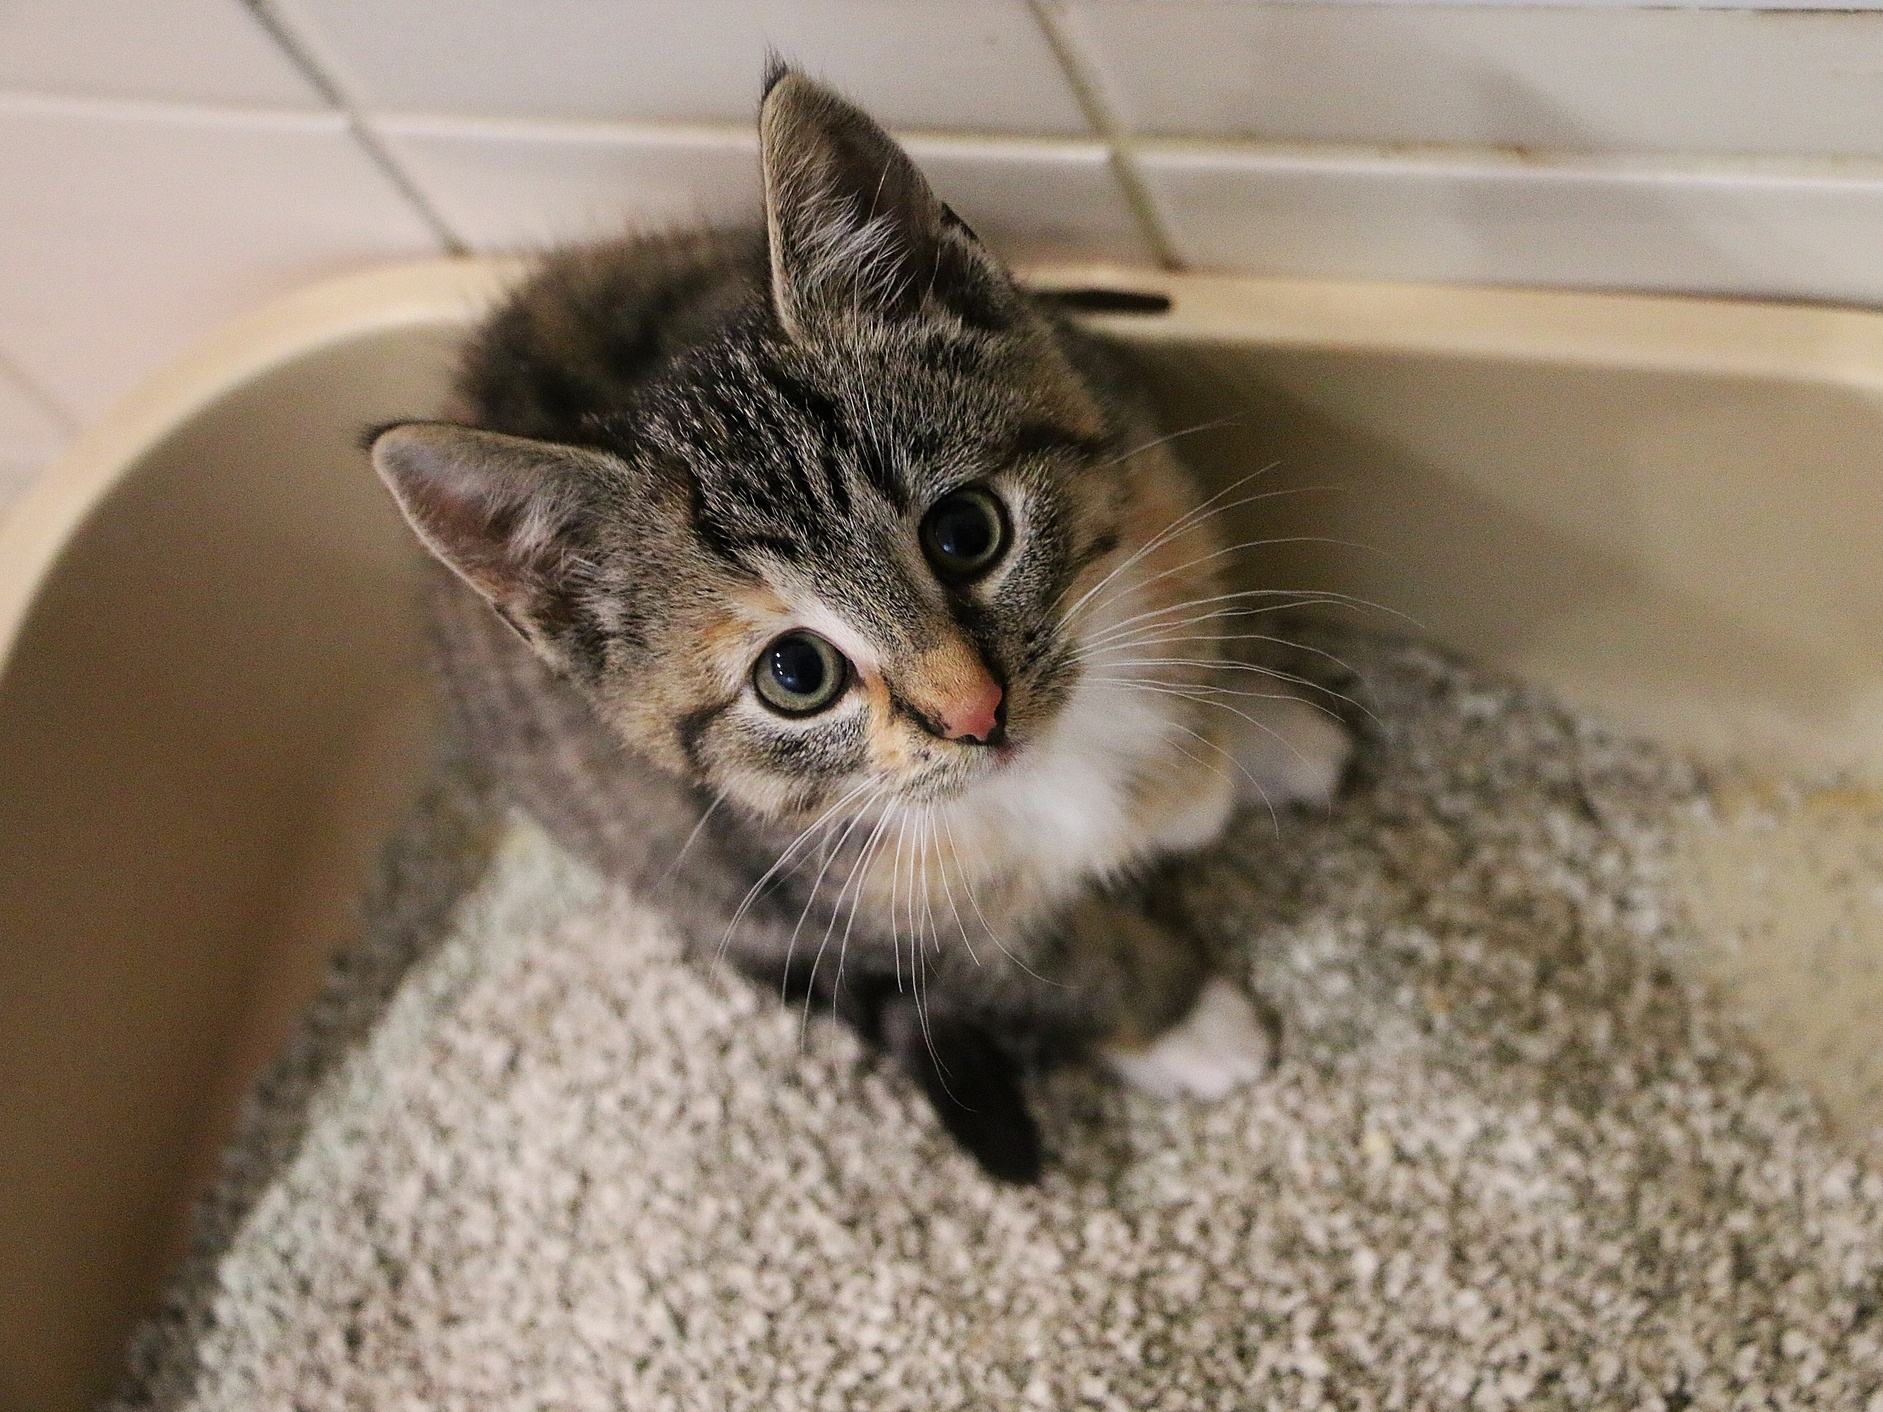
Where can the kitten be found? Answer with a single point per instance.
(817, 576)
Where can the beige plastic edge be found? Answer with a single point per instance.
(1782, 343)
(1787, 342)
(440, 293)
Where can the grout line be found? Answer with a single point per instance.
(538, 128)
(724, 133)
(1187, 149)
(1402, 157)
(1088, 89)
(29, 388)
(1181, 149)
(300, 53)
(93, 107)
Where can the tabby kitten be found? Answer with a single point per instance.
(818, 578)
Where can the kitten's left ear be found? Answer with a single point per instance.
(508, 514)
(854, 227)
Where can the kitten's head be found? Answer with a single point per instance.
(826, 547)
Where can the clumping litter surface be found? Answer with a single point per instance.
(527, 1156)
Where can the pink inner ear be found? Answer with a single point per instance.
(491, 506)
(477, 534)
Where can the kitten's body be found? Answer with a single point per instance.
(763, 419)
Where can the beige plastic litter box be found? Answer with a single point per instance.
(212, 703)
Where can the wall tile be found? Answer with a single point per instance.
(510, 185)
(30, 431)
(978, 65)
(125, 233)
(207, 51)
(1579, 80)
(16, 478)
(31, 434)
(1598, 224)
(1035, 201)
(1815, 5)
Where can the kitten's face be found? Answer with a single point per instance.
(827, 555)
(882, 546)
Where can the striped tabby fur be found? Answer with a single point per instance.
(670, 453)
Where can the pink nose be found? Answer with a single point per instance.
(973, 714)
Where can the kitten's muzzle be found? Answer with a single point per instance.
(953, 695)
(976, 718)
(981, 720)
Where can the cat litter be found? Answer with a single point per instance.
(524, 1155)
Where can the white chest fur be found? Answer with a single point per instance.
(1122, 775)
(1096, 795)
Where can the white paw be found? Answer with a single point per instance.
(1221, 1044)
(1291, 752)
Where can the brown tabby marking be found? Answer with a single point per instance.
(685, 451)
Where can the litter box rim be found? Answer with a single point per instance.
(35, 533)
(1675, 333)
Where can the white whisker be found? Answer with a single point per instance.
(779, 863)
(1304, 598)
(1297, 598)
(948, 888)
(1255, 784)
(699, 824)
(1218, 664)
(1224, 552)
(1181, 525)
(858, 868)
(919, 961)
(1207, 700)
(1166, 536)
(1321, 652)
(830, 856)
(974, 901)
(895, 891)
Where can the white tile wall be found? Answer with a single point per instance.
(16, 477)
(1040, 200)
(32, 432)
(126, 231)
(974, 65)
(166, 162)
(1845, 6)
(1600, 223)
(207, 51)
(505, 184)
(1567, 80)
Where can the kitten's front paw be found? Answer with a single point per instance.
(1291, 752)
(1220, 1045)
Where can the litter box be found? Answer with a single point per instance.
(212, 702)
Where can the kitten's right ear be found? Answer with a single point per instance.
(852, 225)
(508, 514)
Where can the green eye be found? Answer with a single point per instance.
(800, 674)
(964, 533)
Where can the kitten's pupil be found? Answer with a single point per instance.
(797, 667)
(964, 533)
(799, 673)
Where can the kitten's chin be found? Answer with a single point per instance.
(993, 760)
(963, 775)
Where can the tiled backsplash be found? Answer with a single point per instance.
(164, 163)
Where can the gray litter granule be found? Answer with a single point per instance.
(525, 1156)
